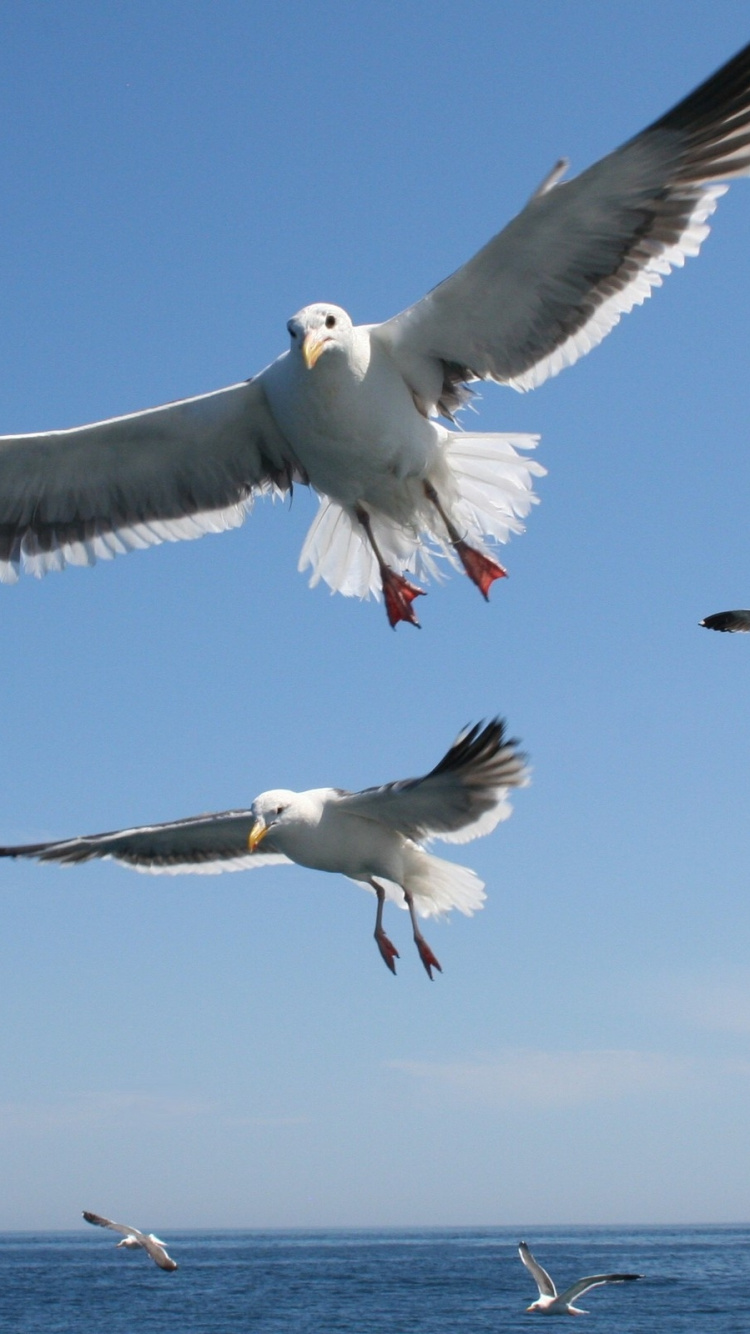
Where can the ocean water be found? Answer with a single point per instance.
(420, 1282)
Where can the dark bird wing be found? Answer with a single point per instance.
(541, 1277)
(205, 844)
(733, 621)
(552, 284)
(462, 797)
(179, 471)
(583, 1284)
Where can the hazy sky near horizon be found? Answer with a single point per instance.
(178, 180)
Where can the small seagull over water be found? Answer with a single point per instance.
(133, 1240)
(353, 410)
(373, 836)
(552, 1303)
(735, 622)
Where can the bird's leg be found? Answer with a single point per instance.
(397, 591)
(425, 953)
(481, 569)
(388, 951)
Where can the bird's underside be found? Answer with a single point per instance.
(541, 293)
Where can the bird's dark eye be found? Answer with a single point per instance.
(279, 810)
(330, 321)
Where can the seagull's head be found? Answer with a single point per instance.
(319, 329)
(271, 810)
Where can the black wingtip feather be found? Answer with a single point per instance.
(728, 621)
(476, 745)
(724, 93)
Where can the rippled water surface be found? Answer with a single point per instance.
(431, 1282)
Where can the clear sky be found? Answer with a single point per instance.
(177, 180)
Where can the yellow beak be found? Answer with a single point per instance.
(313, 346)
(257, 834)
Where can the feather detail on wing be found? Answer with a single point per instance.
(463, 797)
(552, 284)
(541, 1277)
(735, 622)
(583, 1284)
(493, 483)
(179, 471)
(203, 845)
(128, 1232)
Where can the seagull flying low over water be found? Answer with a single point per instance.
(552, 1303)
(736, 622)
(133, 1239)
(352, 410)
(373, 836)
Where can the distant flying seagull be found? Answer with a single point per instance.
(352, 410)
(373, 836)
(552, 1303)
(133, 1239)
(737, 622)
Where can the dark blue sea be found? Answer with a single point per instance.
(420, 1282)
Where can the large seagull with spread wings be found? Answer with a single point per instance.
(354, 410)
(373, 836)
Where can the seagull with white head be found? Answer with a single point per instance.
(374, 837)
(550, 1302)
(133, 1240)
(364, 414)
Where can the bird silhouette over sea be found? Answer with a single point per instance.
(550, 1302)
(132, 1239)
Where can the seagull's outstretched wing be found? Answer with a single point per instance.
(583, 1284)
(205, 844)
(158, 1251)
(178, 471)
(127, 1232)
(541, 1277)
(736, 622)
(553, 283)
(462, 797)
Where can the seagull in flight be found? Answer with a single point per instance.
(363, 413)
(736, 622)
(550, 1302)
(374, 837)
(133, 1239)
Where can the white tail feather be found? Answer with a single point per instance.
(485, 485)
(439, 885)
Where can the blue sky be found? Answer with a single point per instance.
(230, 1051)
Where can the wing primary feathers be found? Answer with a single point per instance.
(481, 754)
(731, 621)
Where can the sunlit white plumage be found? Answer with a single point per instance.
(550, 1302)
(133, 1239)
(353, 410)
(374, 836)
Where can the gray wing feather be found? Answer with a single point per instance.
(541, 1277)
(204, 844)
(732, 621)
(99, 1221)
(461, 798)
(583, 1284)
(70, 497)
(554, 282)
